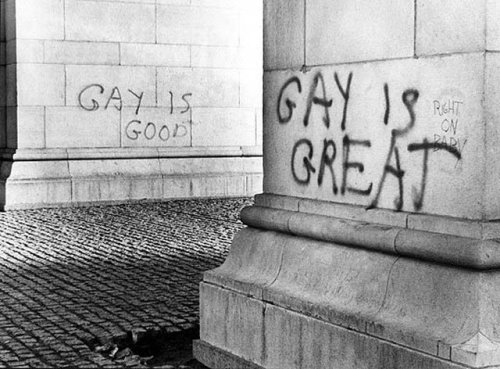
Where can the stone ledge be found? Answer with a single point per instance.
(48, 183)
(442, 248)
(129, 153)
(424, 222)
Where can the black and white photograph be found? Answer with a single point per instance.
(250, 184)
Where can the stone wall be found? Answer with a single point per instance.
(380, 104)
(119, 100)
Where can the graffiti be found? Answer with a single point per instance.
(150, 131)
(448, 113)
(95, 97)
(311, 163)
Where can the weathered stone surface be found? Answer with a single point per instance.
(105, 80)
(424, 306)
(359, 30)
(445, 27)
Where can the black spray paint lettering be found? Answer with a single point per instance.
(289, 103)
(387, 113)
(345, 94)
(186, 101)
(409, 98)
(118, 98)
(418, 195)
(88, 101)
(306, 161)
(135, 128)
(313, 99)
(95, 104)
(302, 166)
(347, 164)
(327, 161)
(139, 97)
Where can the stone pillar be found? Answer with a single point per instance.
(375, 243)
(126, 100)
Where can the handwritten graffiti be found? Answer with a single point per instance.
(309, 162)
(96, 97)
(448, 113)
(150, 130)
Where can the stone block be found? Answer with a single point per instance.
(110, 21)
(493, 25)
(218, 186)
(254, 184)
(251, 88)
(260, 134)
(250, 24)
(251, 58)
(444, 225)
(40, 84)
(298, 341)
(9, 9)
(116, 189)
(220, 307)
(223, 127)
(3, 82)
(346, 287)
(38, 19)
(28, 194)
(74, 127)
(198, 87)
(84, 169)
(25, 51)
(176, 187)
(155, 127)
(284, 30)
(199, 165)
(37, 171)
(2, 22)
(26, 127)
(358, 30)
(112, 180)
(277, 202)
(450, 27)
(492, 117)
(215, 56)
(68, 52)
(197, 25)
(10, 92)
(155, 54)
(238, 273)
(111, 87)
(217, 3)
(174, 2)
(3, 127)
(433, 122)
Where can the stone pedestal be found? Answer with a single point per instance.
(375, 243)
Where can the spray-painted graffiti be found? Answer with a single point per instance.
(95, 97)
(312, 162)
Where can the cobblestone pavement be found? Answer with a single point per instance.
(73, 277)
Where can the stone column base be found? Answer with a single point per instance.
(307, 291)
(41, 178)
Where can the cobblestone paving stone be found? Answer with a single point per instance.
(77, 275)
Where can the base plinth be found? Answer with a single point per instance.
(283, 300)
